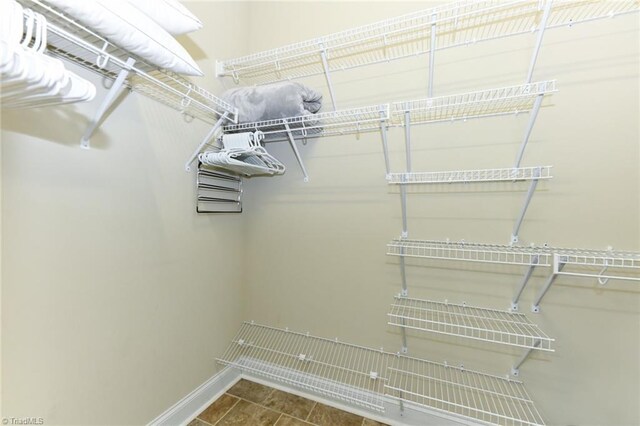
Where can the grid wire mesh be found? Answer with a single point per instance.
(489, 325)
(456, 24)
(342, 371)
(478, 396)
(468, 176)
(347, 121)
(471, 252)
(483, 103)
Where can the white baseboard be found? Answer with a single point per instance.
(185, 410)
(191, 405)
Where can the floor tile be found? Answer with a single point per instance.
(369, 422)
(218, 409)
(250, 391)
(323, 415)
(245, 413)
(197, 422)
(293, 405)
(291, 421)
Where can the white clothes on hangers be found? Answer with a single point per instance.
(28, 77)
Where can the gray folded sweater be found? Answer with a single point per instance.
(278, 100)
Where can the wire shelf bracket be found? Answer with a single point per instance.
(601, 260)
(294, 147)
(211, 135)
(108, 102)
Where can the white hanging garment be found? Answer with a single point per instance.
(28, 77)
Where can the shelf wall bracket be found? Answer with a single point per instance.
(558, 265)
(107, 103)
(294, 146)
(525, 279)
(385, 144)
(432, 55)
(525, 206)
(210, 135)
(515, 370)
(536, 49)
(527, 134)
(327, 74)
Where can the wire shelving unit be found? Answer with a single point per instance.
(483, 103)
(72, 41)
(342, 371)
(491, 102)
(469, 176)
(347, 121)
(476, 396)
(451, 25)
(489, 325)
(471, 252)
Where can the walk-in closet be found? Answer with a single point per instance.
(320, 213)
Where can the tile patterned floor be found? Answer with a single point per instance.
(252, 404)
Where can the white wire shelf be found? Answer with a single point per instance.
(469, 176)
(477, 396)
(471, 252)
(483, 103)
(599, 264)
(347, 121)
(363, 376)
(455, 24)
(342, 371)
(70, 40)
(489, 325)
(523, 255)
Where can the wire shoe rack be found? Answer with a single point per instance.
(476, 396)
(338, 370)
(489, 325)
(368, 377)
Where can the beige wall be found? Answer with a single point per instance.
(116, 295)
(317, 250)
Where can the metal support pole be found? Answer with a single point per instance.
(432, 56)
(211, 134)
(536, 49)
(532, 120)
(515, 370)
(327, 74)
(108, 101)
(525, 205)
(523, 283)
(405, 348)
(385, 145)
(294, 146)
(557, 267)
(403, 205)
(407, 137)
